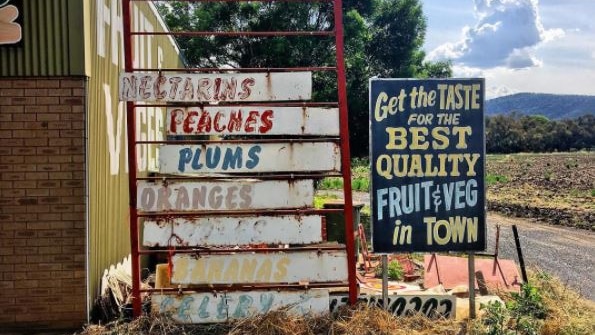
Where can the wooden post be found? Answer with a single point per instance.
(471, 265)
(385, 281)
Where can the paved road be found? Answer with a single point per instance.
(567, 253)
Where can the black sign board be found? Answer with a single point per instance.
(11, 23)
(427, 165)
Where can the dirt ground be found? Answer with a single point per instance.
(557, 188)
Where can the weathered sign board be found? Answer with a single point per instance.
(232, 231)
(224, 195)
(253, 120)
(428, 155)
(251, 157)
(275, 267)
(210, 308)
(222, 211)
(404, 304)
(215, 87)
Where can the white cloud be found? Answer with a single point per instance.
(506, 34)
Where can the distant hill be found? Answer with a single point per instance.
(553, 106)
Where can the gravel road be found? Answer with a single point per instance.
(567, 253)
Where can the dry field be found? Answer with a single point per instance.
(558, 188)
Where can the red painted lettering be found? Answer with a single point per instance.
(176, 117)
(204, 85)
(246, 90)
(157, 91)
(204, 124)
(188, 92)
(189, 121)
(218, 128)
(267, 121)
(173, 89)
(235, 121)
(251, 121)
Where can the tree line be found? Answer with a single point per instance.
(536, 133)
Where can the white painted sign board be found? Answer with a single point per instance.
(252, 120)
(245, 158)
(235, 194)
(273, 267)
(232, 231)
(220, 307)
(215, 87)
(404, 304)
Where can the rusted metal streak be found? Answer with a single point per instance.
(272, 267)
(263, 176)
(237, 33)
(247, 141)
(232, 231)
(248, 250)
(224, 195)
(232, 158)
(236, 103)
(220, 307)
(253, 120)
(167, 215)
(214, 289)
(242, 69)
(200, 88)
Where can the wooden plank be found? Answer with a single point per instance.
(215, 87)
(245, 158)
(245, 194)
(274, 267)
(211, 307)
(231, 231)
(252, 121)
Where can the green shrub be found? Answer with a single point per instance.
(394, 271)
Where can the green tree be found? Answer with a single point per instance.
(382, 38)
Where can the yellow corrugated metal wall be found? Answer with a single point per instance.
(52, 41)
(109, 235)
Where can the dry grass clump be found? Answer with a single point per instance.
(281, 322)
(373, 320)
(568, 312)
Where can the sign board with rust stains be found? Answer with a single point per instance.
(232, 231)
(253, 120)
(215, 87)
(274, 267)
(250, 158)
(220, 307)
(245, 194)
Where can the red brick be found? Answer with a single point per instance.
(37, 192)
(38, 92)
(12, 92)
(47, 100)
(22, 101)
(61, 92)
(36, 109)
(24, 84)
(51, 83)
(48, 117)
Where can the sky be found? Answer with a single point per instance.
(543, 46)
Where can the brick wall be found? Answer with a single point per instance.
(42, 203)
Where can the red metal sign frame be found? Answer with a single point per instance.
(132, 143)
